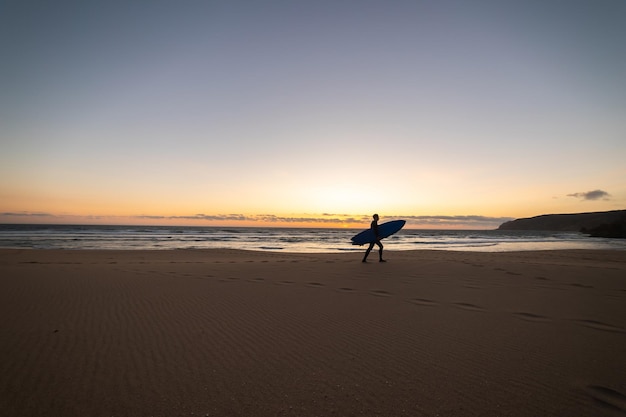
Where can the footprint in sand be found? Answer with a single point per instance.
(473, 264)
(598, 325)
(607, 397)
(505, 271)
(315, 284)
(346, 289)
(380, 293)
(537, 318)
(575, 284)
(473, 286)
(468, 306)
(422, 302)
(285, 282)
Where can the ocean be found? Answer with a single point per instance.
(286, 239)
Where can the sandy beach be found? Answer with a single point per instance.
(236, 333)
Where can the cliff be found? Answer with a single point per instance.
(598, 224)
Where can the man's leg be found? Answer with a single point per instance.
(367, 252)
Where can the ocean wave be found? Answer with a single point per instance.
(291, 240)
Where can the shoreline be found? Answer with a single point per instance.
(237, 332)
(293, 240)
(573, 256)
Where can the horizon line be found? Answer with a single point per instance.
(323, 220)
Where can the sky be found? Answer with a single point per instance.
(450, 114)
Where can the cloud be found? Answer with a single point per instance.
(427, 222)
(26, 214)
(466, 220)
(327, 218)
(591, 195)
(265, 218)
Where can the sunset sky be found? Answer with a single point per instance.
(457, 114)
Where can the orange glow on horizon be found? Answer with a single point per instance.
(293, 221)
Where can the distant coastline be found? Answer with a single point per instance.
(611, 224)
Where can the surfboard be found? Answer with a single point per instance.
(384, 230)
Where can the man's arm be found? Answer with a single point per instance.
(375, 230)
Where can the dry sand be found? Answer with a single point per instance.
(233, 333)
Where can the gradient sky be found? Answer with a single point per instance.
(448, 113)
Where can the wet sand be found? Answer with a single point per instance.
(235, 333)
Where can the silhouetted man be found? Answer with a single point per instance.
(374, 227)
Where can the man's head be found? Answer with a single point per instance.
(375, 216)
